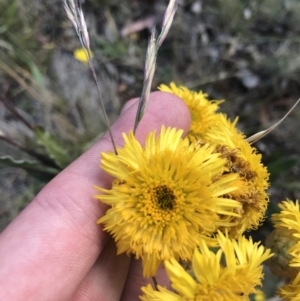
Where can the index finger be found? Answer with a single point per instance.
(54, 242)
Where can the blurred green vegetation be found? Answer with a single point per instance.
(246, 52)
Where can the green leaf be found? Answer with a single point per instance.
(54, 149)
(34, 168)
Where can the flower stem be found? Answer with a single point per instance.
(155, 283)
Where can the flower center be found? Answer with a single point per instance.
(164, 197)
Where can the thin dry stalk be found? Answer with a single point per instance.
(155, 283)
(151, 56)
(167, 22)
(256, 137)
(76, 16)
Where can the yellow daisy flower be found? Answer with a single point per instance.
(289, 217)
(162, 294)
(203, 111)
(291, 291)
(242, 159)
(285, 240)
(229, 274)
(165, 197)
(285, 243)
(80, 54)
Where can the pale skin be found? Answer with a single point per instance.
(54, 250)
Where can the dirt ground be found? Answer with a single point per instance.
(246, 52)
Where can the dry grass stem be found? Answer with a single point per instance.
(256, 137)
(76, 16)
(167, 22)
(150, 63)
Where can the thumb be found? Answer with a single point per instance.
(55, 241)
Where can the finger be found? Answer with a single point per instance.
(135, 281)
(55, 241)
(106, 279)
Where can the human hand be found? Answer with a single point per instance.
(54, 250)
